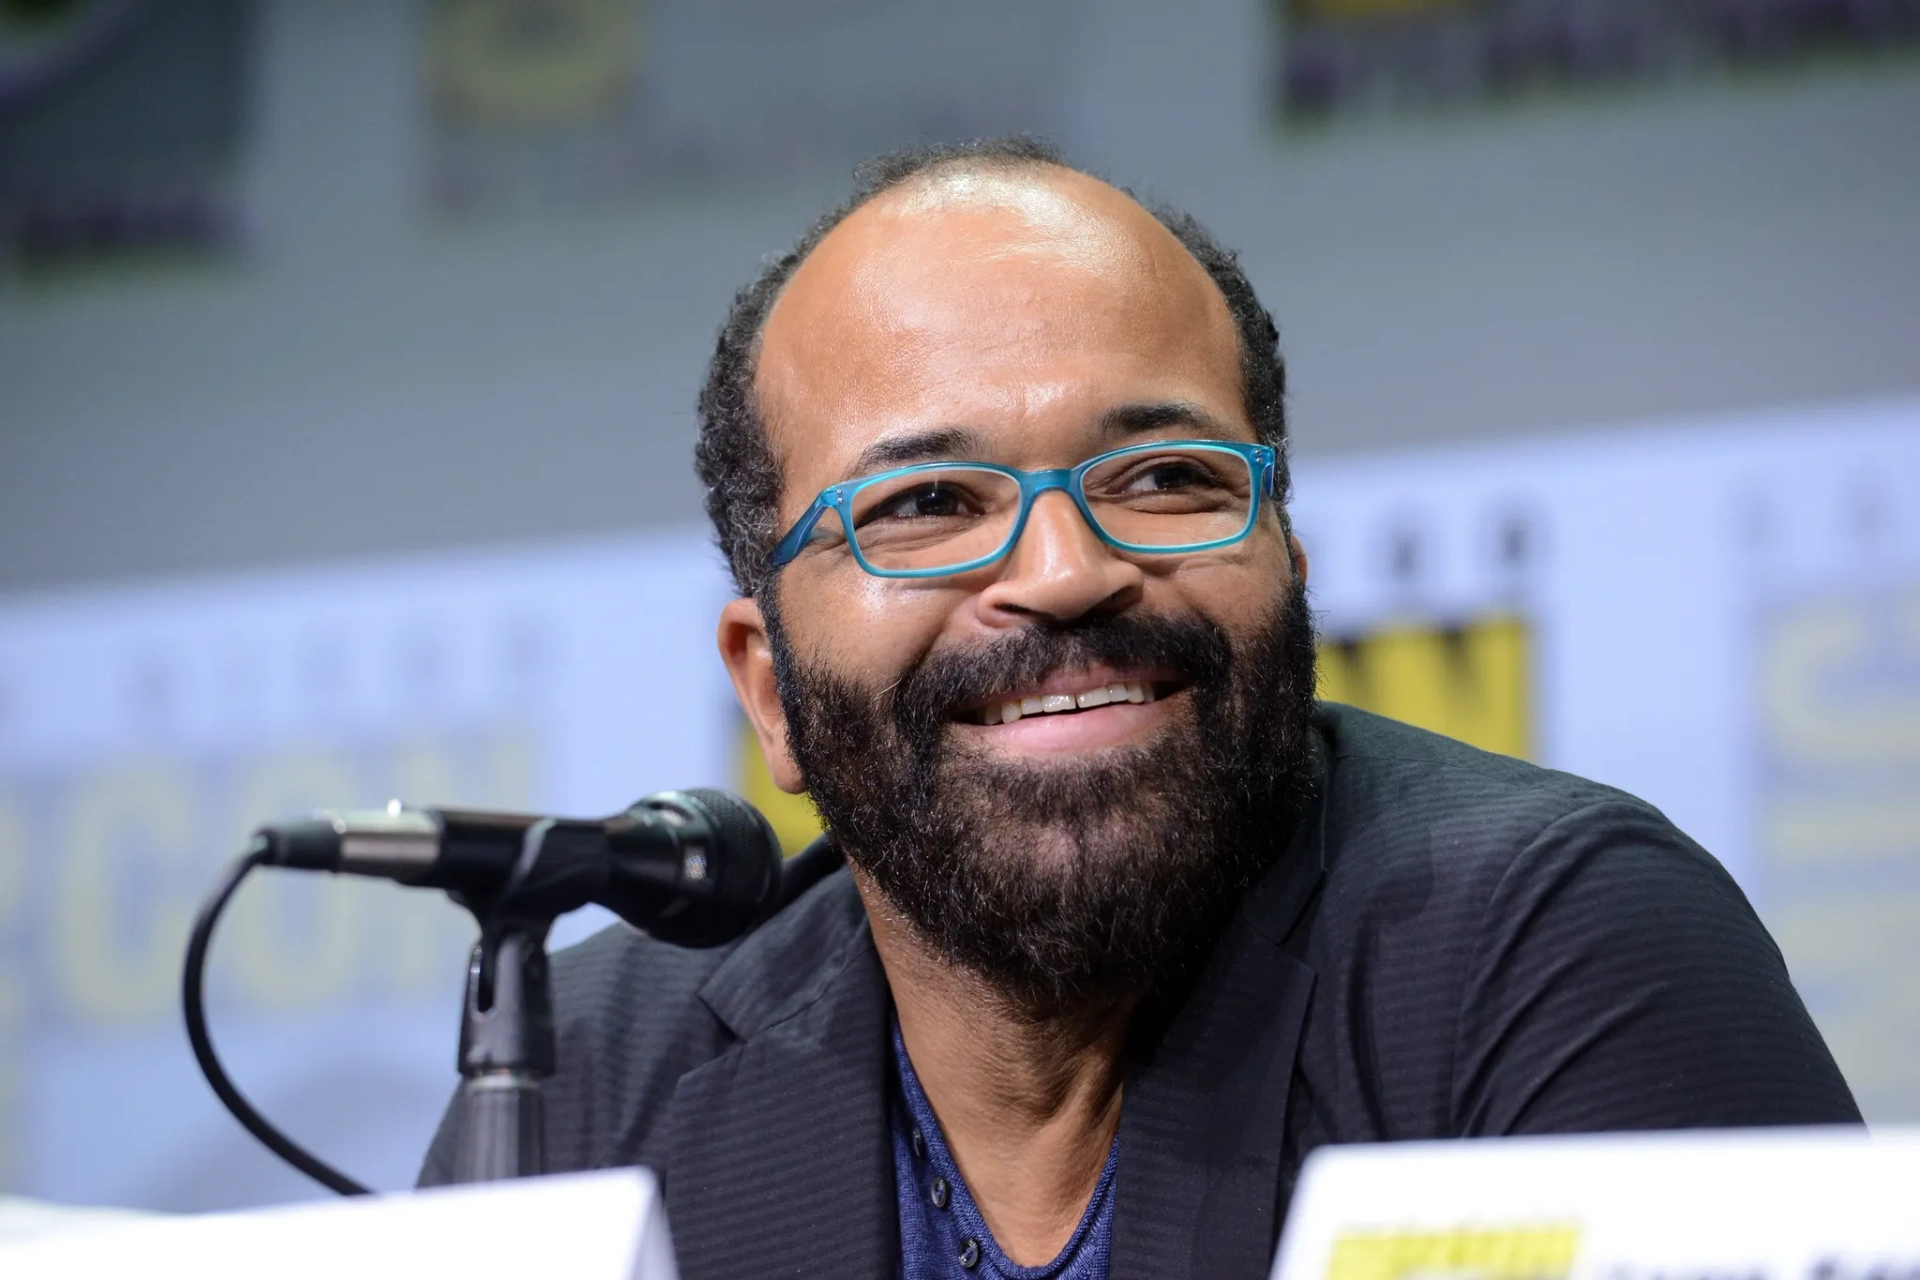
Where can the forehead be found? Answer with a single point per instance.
(1016, 304)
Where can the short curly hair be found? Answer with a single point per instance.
(735, 458)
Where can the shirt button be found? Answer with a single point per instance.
(970, 1253)
(940, 1192)
(919, 1143)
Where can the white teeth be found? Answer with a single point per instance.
(1056, 703)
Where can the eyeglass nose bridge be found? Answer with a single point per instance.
(1035, 483)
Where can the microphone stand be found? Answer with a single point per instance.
(506, 1052)
(507, 1042)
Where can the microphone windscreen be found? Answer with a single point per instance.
(744, 861)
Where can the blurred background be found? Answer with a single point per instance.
(348, 351)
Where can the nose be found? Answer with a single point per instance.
(1059, 570)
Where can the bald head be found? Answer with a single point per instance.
(985, 285)
(971, 297)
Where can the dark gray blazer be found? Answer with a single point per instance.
(1456, 944)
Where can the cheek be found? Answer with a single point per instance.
(865, 628)
(1239, 587)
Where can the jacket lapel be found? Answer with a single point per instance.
(1198, 1189)
(778, 1151)
(1199, 1192)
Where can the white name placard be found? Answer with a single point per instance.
(599, 1226)
(1782, 1204)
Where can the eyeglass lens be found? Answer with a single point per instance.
(948, 516)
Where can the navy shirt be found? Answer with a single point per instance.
(942, 1235)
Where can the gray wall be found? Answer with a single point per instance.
(366, 382)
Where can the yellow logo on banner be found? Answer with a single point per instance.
(1471, 682)
(532, 62)
(1486, 1253)
(1838, 832)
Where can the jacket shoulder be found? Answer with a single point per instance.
(1402, 799)
(1520, 950)
(1440, 772)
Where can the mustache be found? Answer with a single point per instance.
(936, 687)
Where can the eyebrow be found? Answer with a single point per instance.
(955, 443)
(937, 444)
(1139, 419)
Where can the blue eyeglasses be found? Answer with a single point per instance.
(1165, 497)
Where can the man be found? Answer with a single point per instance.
(1126, 925)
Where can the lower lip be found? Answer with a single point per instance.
(1069, 732)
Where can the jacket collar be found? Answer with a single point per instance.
(778, 972)
(1280, 900)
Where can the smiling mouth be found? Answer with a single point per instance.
(1069, 698)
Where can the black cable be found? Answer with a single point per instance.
(193, 984)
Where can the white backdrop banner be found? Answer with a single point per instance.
(1721, 617)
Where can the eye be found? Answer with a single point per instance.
(933, 500)
(1171, 475)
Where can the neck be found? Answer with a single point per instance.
(1028, 1105)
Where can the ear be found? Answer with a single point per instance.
(1298, 554)
(748, 653)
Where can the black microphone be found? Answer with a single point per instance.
(696, 868)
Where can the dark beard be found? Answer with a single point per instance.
(1066, 885)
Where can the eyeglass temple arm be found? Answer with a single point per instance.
(796, 538)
